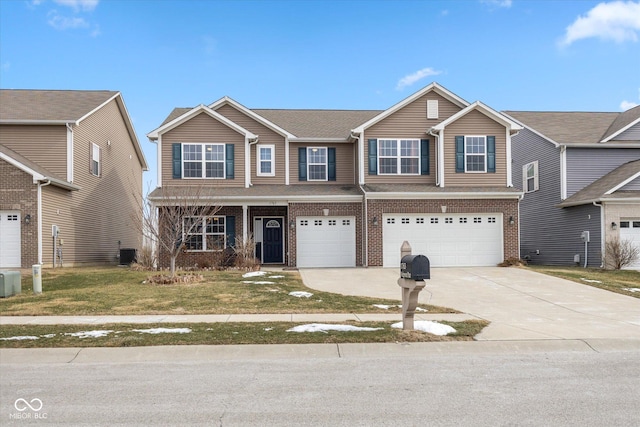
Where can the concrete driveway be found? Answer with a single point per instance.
(520, 304)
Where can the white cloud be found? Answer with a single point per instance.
(418, 75)
(627, 105)
(498, 3)
(85, 5)
(60, 22)
(618, 21)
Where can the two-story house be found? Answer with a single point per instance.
(581, 175)
(70, 177)
(334, 188)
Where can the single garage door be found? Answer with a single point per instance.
(448, 240)
(630, 230)
(9, 239)
(326, 241)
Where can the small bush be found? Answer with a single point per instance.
(619, 254)
(511, 262)
(244, 252)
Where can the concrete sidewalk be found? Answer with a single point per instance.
(228, 318)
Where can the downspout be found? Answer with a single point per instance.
(69, 152)
(603, 235)
(40, 185)
(247, 161)
(437, 146)
(365, 224)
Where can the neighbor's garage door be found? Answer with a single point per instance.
(326, 241)
(9, 239)
(630, 230)
(448, 240)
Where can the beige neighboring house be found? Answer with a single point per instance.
(70, 177)
(336, 188)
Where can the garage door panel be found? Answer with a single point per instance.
(10, 239)
(446, 239)
(326, 242)
(630, 230)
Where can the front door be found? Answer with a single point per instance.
(272, 241)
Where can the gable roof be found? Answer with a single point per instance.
(606, 186)
(36, 171)
(228, 101)
(623, 122)
(484, 109)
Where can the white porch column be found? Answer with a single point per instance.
(245, 223)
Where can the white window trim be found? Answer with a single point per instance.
(535, 177)
(95, 148)
(475, 154)
(204, 161)
(398, 157)
(204, 234)
(259, 160)
(326, 163)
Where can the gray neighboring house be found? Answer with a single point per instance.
(69, 161)
(580, 172)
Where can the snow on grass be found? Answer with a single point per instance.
(20, 338)
(387, 307)
(88, 334)
(631, 289)
(323, 327)
(254, 274)
(589, 280)
(163, 331)
(259, 282)
(48, 336)
(428, 326)
(301, 294)
(275, 277)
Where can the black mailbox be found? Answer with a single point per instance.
(415, 267)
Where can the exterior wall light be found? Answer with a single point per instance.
(292, 224)
(27, 219)
(614, 225)
(375, 221)
(511, 220)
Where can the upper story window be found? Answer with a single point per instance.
(399, 156)
(266, 160)
(317, 163)
(96, 160)
(205, 233)
(475, 153)
(530, 177)
(203, 160)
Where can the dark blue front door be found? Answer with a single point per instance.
(272, 241)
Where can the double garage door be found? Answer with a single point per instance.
(448, 240)
(9, 239)
(630, 230)
(326, 241)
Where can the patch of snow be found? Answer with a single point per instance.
(590, 281)
(48, 336)
(268, 329)
(20, 338)
(259, 282)
(382, 306)
(163, 331)
(89, 334)
(632, 289)
(275, 277)
(428, 326)
(274, 290)
(419, 309)
(323, 327)
(301, 294)
(254, 274)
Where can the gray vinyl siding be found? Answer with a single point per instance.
(585, 165)
(44, 145)
(631, 134)
(633, 185)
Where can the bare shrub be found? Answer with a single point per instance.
(145, 259)
(619, 254)
(512, 262)
(244, 252)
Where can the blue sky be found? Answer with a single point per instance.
(510, 54)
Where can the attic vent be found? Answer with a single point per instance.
(432, 109)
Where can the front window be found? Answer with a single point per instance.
(95, 160)
(317, 163)
(530, 177)
(266, 163)
(475, 152)
(399, 156)
(204, 233)
(203, 160)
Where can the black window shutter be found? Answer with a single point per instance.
(229, 149)
(230, 229)
(373, 157)
(424, 157)
(460, 154)
(331, 163)
(176, 150)
(302, 163)
(491, 154)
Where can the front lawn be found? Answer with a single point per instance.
(122, 291)
(626, 282)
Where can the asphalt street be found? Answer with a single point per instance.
(435, 384)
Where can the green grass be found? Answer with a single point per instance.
(619, 281)
(123, 335)
(122, 291)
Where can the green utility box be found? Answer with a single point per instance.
(10, 283)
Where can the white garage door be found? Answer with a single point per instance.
(630, 230)
(448, 240)
(326, 241)
(9, 239)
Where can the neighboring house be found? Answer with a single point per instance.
(580, 172)
(333, 188)
(69, 161)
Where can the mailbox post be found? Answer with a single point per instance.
(414, 269)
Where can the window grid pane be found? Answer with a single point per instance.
(317, 164)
